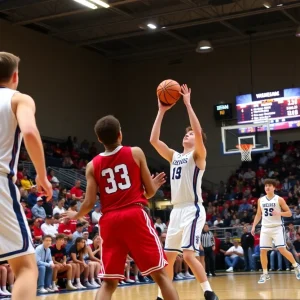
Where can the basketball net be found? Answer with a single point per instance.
(245, 150)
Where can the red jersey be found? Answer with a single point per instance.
(119, 179)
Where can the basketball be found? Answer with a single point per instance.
(168, 92)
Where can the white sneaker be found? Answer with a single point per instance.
(5, 293)
(88, 285)
(95, 284)
(55, 288)
(80, 286)
(42, 291)
(188, 275)
(297, 272)
(288, 269)
(229, 269)
(179, 276)
(49, 290)
(264, 278)
(129, 280)
(71, 287)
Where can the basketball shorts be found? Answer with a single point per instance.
(185, 228)
(268, 235)
(129, 231)
(14, 230)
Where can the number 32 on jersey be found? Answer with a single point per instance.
(113, 185)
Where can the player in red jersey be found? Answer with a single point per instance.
(124, 181)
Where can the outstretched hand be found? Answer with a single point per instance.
(186, 94)
(159, 180)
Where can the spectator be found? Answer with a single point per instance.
(96, 246)
(59, 257)
(76, 252)
(26, 183)
(6, 276)
(160, 224)
(273, 254)
(66, 228)
(45, 265)
(247, 243)
(38, 210)
(55, 187)
(296, 245)
(244, 206)
(85, 235)
(32, 196)
(96, 214)
(59, 208)
(48, 228)
(76, 191)
(78, 232)
(234, 256)
(27, 211)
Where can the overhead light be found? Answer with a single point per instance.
(298, 32)
(87, 4)
(151, 26)
(267, 4)
(204, 47)
(101, 3)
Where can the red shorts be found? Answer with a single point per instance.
(129, 231)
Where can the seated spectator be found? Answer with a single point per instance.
(96, 246)
(244, 206)
(275, 253)
(6, 276)
(45, 265)
(38, 210)
(26, 183)
(245, 218)
(32, 196)
(296, 245)
(76, 191)
(85, 235)
(48, 228)
(27, 211)
(59, 208)
(256, 256)
(78, 232)
(235, 221)
(76, 252)
(96, 214)
(160, 224)
(59, 257)
(67, 162)
(218, 222)
(37, 231)
(234, 256)
(55, 187)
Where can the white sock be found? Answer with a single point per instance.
(78, 280)
(136, 277)
(205, 286)
(265, 271)
(69, 283)
(160, 294)
(4, 289)
(53, 283)
(295, 265)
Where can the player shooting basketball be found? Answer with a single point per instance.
(188, 215)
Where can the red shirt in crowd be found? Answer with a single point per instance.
(76, 191)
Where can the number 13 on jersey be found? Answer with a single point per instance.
(110, 173)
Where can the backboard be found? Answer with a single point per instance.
(256, 134)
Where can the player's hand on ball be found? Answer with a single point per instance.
(159, 180)
(276, 213)
(186, 94)
(164, 108)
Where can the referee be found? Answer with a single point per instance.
(208, 244)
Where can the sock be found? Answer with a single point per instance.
(160, 294)
(136, 278)
(78, 280)
(53, 283)
(206, 286)
(295, 265)
(69, 282)
(265, 271)
(4, 289)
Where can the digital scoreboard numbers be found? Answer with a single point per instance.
(280, 108)
(223, 111)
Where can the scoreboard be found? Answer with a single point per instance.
(223, 111)
(281, 108)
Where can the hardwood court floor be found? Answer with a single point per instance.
(227, 286)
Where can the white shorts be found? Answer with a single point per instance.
(14, 230)
(185, 228)
(270, 234)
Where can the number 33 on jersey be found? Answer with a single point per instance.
(119, 179)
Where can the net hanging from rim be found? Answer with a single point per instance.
(245, 150)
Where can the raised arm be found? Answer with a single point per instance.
(24, 109)
(200, 150)
(160, 146)
(151, 185)
(257, 217)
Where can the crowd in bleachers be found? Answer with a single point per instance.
(73, 255)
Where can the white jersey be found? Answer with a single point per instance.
(186, 179)
(10, 135)
(267, 207)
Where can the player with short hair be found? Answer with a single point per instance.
(124, 181)
(188, 215)
(271, 208)
(17, 119)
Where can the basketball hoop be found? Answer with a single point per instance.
(245, 150)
